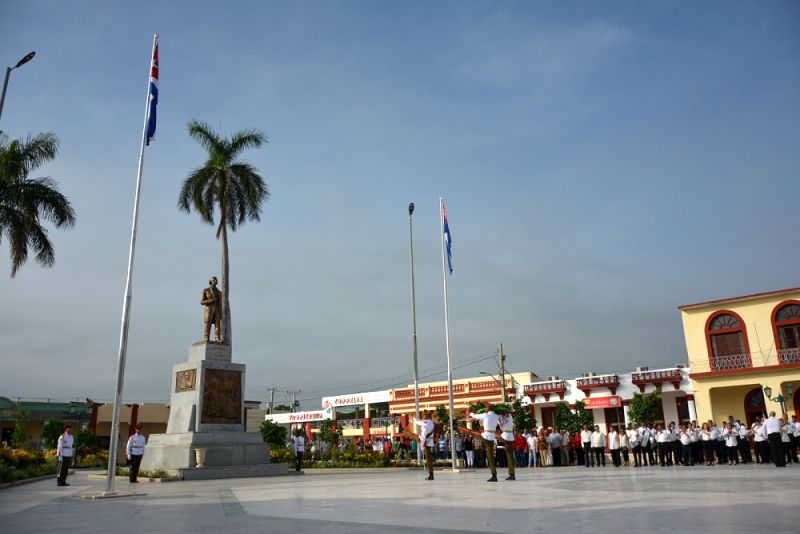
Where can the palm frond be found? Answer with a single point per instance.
(244, 139)
(203, 134)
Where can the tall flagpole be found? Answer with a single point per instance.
(414, 324)
(447, 336)
(126, 307)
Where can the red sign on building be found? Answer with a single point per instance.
(603, 402)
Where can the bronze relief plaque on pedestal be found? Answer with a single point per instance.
(185, 380)
(222, 398)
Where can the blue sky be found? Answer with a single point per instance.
(602, 163)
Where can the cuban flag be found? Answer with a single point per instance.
(448, 241)
(153, 96)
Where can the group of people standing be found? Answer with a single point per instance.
(772, 440)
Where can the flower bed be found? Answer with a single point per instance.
(21, 464)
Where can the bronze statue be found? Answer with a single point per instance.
(212, 300)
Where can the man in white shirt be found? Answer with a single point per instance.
(489, 420)
(635, 443)
(299, 449)
(613, 446)
(598, 445)
(773, 426)
(64, 451)
(507, 435)
(135, 452)
(533, 448)
(760, 442)
(425, 433)
(586, 439)
(684, 435)
(794, 435)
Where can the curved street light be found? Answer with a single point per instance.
(20, 63)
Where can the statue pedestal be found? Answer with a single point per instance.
(207, 412)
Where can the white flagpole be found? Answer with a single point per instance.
(126, 307)
(447, 337)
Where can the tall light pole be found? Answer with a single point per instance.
(20, 63)
(414, 322)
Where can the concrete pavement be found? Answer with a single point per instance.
(572, 499)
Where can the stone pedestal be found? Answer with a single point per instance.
(207, 412)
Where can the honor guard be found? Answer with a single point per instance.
(64, 452)
(135, 451)
(507, 435)
(489, 420)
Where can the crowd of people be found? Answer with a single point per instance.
(768, 441)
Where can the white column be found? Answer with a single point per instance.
(692, 409)
(626, 409)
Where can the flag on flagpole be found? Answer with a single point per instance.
(153, 97)
(447, 239)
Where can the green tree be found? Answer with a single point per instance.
(329, 432)
(50, 433)
(644, 407)
(442, 417)
(25, 203)
(87, 442)
(523, 418)
(20, 437)
(572, 421)
(274, 434)
(226, 185)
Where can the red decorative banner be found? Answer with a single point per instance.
(603, 402)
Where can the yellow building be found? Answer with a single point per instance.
(739, 346)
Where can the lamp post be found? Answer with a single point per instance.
(20, 63)
(414, 323)
(779, 399)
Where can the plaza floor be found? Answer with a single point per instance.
(725, 499)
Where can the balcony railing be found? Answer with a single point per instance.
(545, 388)
(790, 355)
(731, 362)
(642, 378)
(588, 383)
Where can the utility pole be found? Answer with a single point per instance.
(270, 402)
(502, 369)
(294, 399)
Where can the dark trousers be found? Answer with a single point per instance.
(580, 457)
(637, 456)
(556, 457)
(732, 456)
(651, 453)
(136, 461)
(697, 451)
(615, 457)
(625, 457)
(66, 461)
(686, 454)
(708, 450)
(722, 452)
(664, 453)
(787, 451)
(776, 450)
(298, 460)
(744, 450)
(677, 451)
(762, 452)
(794, 444)
(599, 455)
(587, 447)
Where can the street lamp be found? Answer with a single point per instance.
(778, 399)
(20, 63)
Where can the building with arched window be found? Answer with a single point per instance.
(739, 346)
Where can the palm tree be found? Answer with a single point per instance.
(228, 185)
(26, 202)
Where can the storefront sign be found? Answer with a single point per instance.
(603, 402)
(299, 417)
(356, 399)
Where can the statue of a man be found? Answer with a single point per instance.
(212, 300)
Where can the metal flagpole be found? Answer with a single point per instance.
(126, 307)
(447, 336)
(414, 324)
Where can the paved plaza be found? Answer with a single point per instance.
(725, 499)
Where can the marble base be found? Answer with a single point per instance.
(224, 449)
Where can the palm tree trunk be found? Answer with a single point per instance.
(227, 333)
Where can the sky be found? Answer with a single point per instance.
(601, 162)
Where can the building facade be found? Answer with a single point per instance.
(609, 395)
(739, 346)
